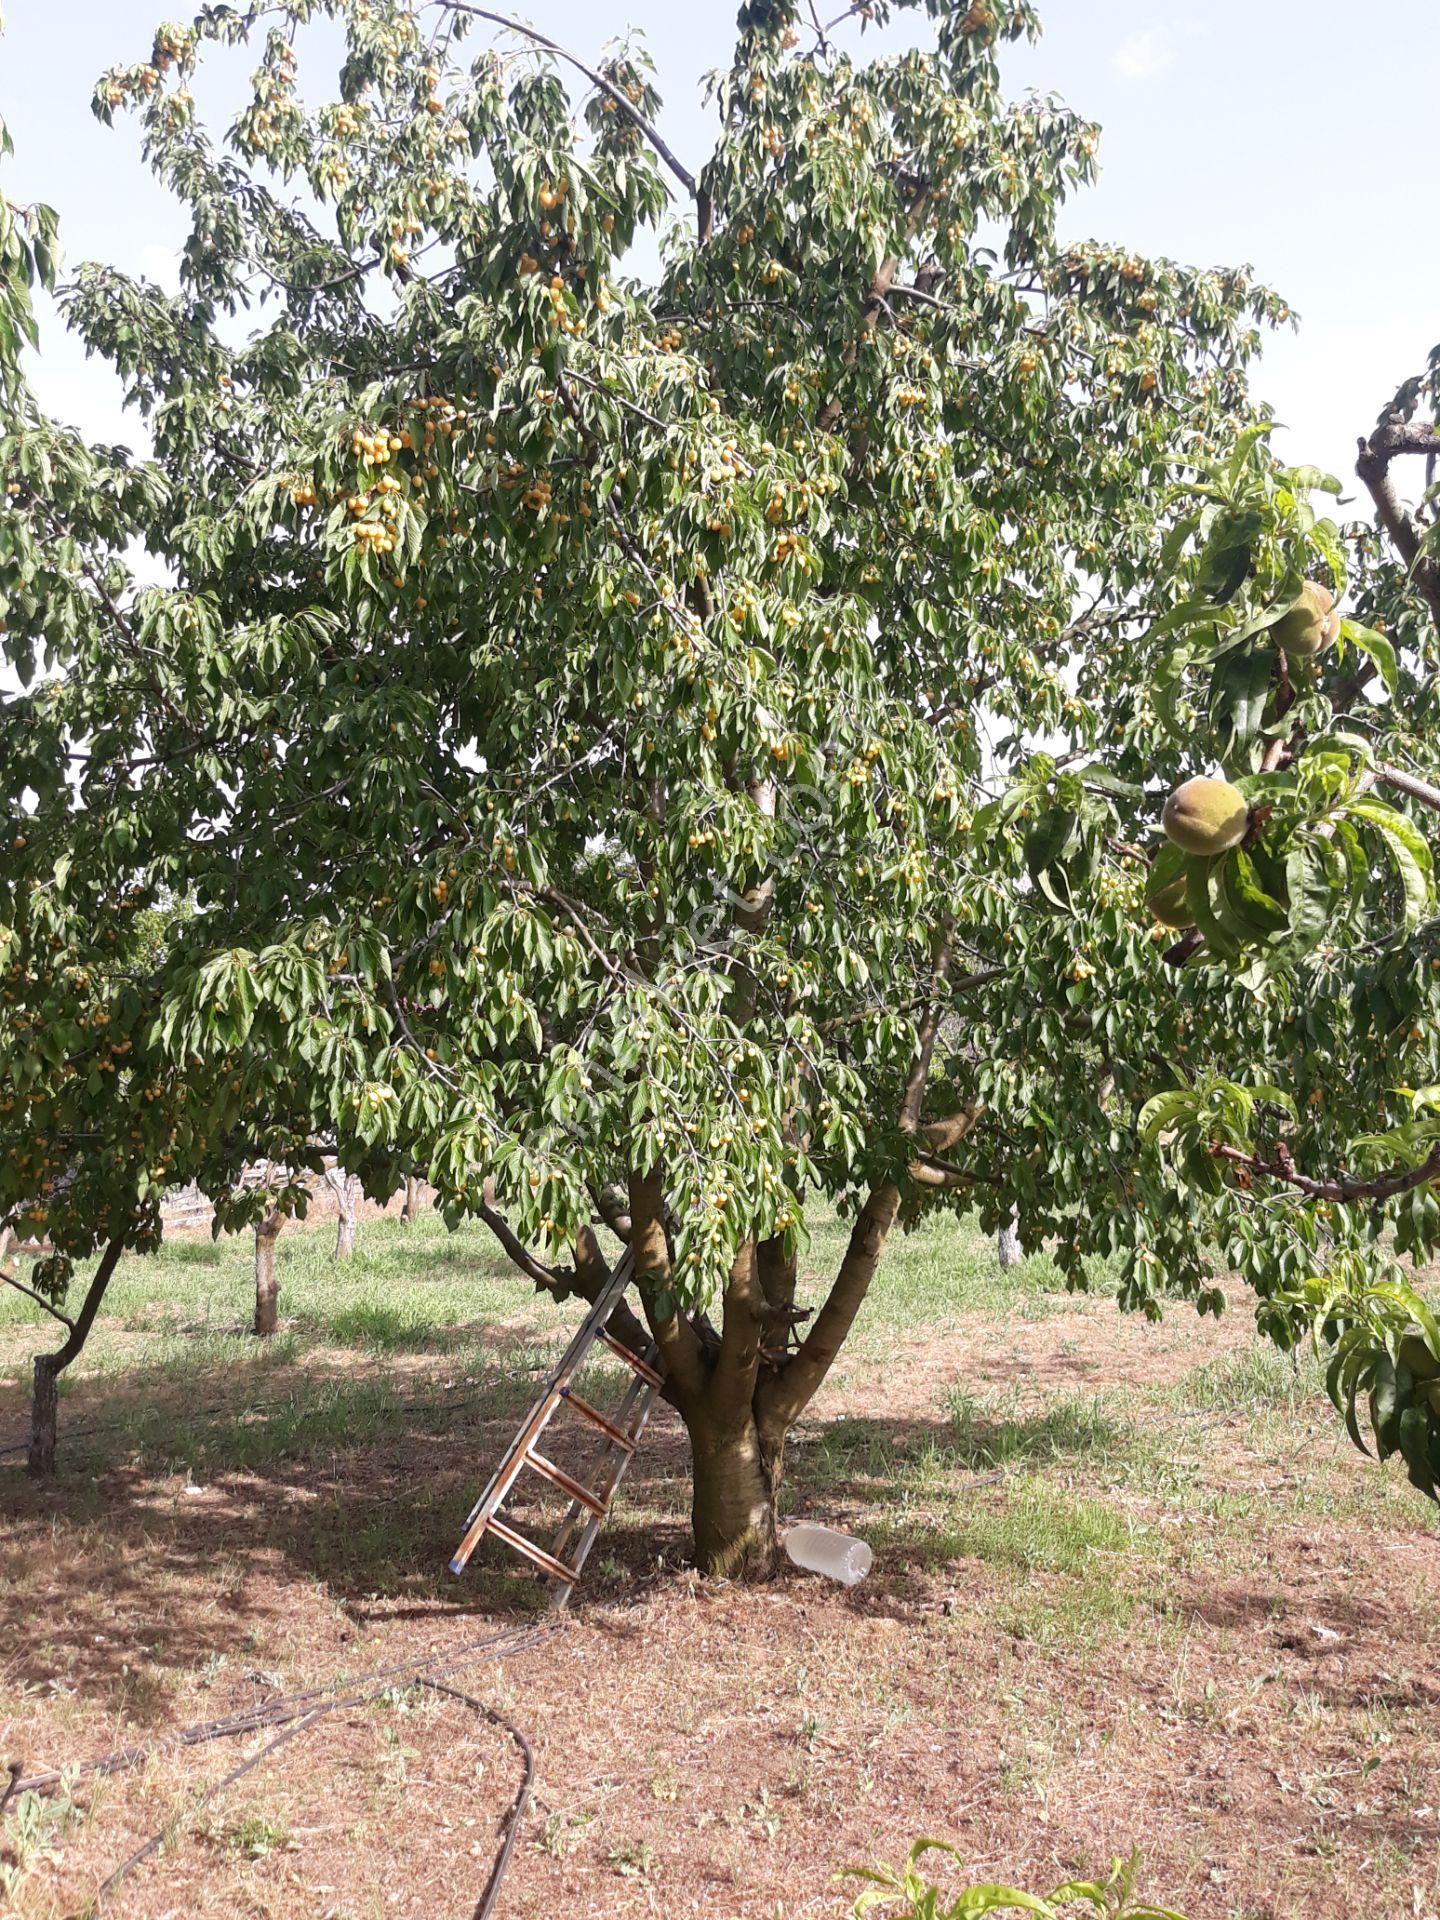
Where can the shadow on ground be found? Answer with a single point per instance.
(266, 1473)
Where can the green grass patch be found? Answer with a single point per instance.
(1073, 1427)
(1027, 1526)
(941, 1269)
(1258, 1377)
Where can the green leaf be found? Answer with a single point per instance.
(992, 1899)
(1164, 1110)
(1377, 646)
(1409, 851)
(1248, 685)
(1219, 938)
(1257, 912)
(1310, 880)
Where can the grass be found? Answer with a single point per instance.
(1073, 1426)
(1031, 1527)
(252, 1836)
(405, 1290)
(1245, 1382)
(425, 1330)
(941, 1268)
(426, 1292)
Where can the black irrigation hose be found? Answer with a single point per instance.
(486, 1905)
(296, 1713)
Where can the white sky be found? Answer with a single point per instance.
(1297, 135)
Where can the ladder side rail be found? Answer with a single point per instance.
(539, 1416)
(482, 1514)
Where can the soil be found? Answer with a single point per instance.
(1260, 1718)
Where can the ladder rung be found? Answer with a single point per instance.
(546, 1562)
(617, 1434)
(561, 1589)
(558, 1477)
(630, 1357)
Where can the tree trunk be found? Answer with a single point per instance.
(410, 1212)
(736, 1480)
(345, 1225)
(44, 1408)
(1007, 1244)
(267, 1288)
(45, 1401)
(343, 1188)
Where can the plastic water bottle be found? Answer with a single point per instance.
(839, 1556)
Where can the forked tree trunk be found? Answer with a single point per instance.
(738, 1396)
(740, 1392)
(410, 1212)
(45, 1400)
(267, 1288)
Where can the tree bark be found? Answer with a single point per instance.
(410, 1212)
(1406, 534)
(45, 1402)
(732, 1513)
(345, 1225)
(1007, 1244)
(267, 1288)
(44, 1412)
(343, 1188)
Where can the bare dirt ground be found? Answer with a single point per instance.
(1186, 1619)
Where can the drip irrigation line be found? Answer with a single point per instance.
(157, 1839)
(295, 1714)
(521, 1801)
(289, 1706)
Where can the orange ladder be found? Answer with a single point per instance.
(622, 1431)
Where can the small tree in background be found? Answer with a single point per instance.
(597, 719)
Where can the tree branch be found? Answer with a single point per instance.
(677, 1340)
(38, 1298)
(1373, 468)
(551, 1278)
(1407, 783)
(930, 1170)
(742, 1326)
(871, 309)
(83, 1321)
(1384, 1186)
(945, 1132)
(607, 87)
(784, 1395)
(919, 1075)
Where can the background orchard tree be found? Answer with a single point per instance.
(96, 1118)
(594, 723)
